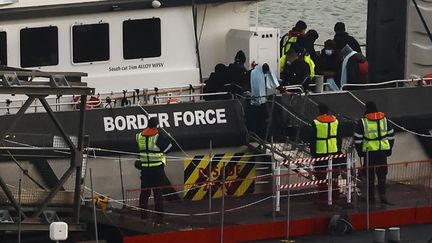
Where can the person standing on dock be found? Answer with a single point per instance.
(153, 146)
(325, 141)
(374, 136)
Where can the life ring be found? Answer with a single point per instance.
(92, 102)
(426, 82)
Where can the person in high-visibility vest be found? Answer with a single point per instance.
(325, 141)
(152, 146)
(374, 139)
(297, 71)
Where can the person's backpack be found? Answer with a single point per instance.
(340, 225)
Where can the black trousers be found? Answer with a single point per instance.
(321, 169)
(381, 175)
(152, 179)
(257, 119)
(377, 166)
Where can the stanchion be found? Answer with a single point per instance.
(349, 179)
(94, 207)
(288, 201)
(210, 181)
(223, 201)
(330, 182)
(367, 190)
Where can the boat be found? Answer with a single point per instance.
(139, 55)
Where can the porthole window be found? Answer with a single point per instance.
(90, 43)
(39, 46)
(141, 38)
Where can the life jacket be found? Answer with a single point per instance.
(375, 132)
(326, 134)
(92, 102)
(150, 154)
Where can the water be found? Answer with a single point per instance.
(320, 15)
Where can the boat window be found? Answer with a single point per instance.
(3, 48)
(141, 38)
(90, 43)
(39, 46)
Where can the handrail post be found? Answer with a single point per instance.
(330, 181)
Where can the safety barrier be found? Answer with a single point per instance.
(416, 173)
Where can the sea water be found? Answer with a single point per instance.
(320, 15)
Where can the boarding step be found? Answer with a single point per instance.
(284, 152)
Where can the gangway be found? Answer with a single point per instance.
(33, 213)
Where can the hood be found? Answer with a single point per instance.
(149, 132)
(375, 116)
(326, 118)
(346, 50)
(294, 33)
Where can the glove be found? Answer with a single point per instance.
(282, 89)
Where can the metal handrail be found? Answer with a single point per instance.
(294, 87)
(386, 82)
(191, 95)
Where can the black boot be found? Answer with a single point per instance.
(383, 200)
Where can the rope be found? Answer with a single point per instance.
(185, 214)
(292, 114)
(392, 122)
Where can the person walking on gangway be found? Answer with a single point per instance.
(375, 135)
(153, 146)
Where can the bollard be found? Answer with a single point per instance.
(319, 83)
(379, 236)
(394, 235)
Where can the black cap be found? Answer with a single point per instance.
(323, 108)
(370, 107)
(153, 122)
(339, 27)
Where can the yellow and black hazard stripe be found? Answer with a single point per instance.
(199, 180)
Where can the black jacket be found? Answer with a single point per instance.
(330, 63)
(297, 73)
(343, 38)
(236, 74)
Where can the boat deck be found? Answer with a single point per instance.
(255, 215)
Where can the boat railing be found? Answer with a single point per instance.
(396, 83)
(191, 93)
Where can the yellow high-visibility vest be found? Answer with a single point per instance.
(150, 154)
(326, 137)
(286, 46)
(376, 140)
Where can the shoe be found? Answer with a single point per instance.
(384, 200)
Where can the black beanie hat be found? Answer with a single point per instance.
(339, 27)
(370, 107)
(322, 108)
(240, 57)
